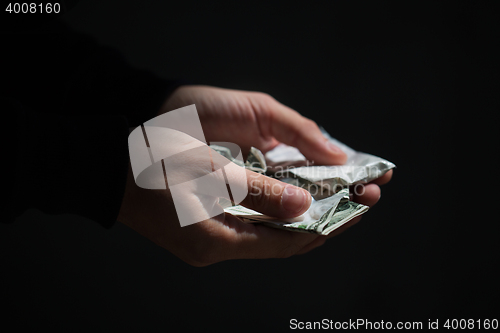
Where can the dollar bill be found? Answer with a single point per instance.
(328, 185)
(322, 217)
(324, 181)
(255, 161)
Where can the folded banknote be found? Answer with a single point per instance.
(328, 185)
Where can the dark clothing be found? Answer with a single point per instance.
(74, 102)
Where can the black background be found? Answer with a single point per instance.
(415, 84)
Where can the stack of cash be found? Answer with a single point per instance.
(322, 217)
(328, 185)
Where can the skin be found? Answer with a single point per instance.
(247, 119)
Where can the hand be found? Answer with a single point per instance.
(254, 119)
(245, 118)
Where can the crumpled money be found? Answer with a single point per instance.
(324, 181)
(255, 162)
(328, 185)
(322, 217)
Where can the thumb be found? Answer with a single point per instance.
(274, 198)
(263, 194)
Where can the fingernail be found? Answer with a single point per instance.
(293, 199)
(333, 148)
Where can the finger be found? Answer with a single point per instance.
(261, 193)
(384, 179)
(233, 239)
(275, 198)
(273, 167)
(367, 194)
(289, 127)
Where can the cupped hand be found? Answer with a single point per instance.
(247, 119)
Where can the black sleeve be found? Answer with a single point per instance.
(69, 164)
(74, 102)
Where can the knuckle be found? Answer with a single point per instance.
(258, 201)
(310, 124)
(260, 191)
(264, 96)
(294, 137)
(264, 100)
